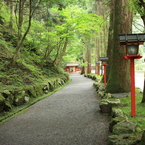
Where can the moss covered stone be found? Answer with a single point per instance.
(107, 104)
(51, 85)
(38, 89)
(20, 95)
(9, 96)
(96, 85)
(123, 139)
(46, 88)
(101, 87)
(19, 98)
(26, 99)
(124, 127)
(7, 106)
(116, 112)
(107, 96)
(143, 139)
(2, 100)
(114, 121)
(101, 94)
(6, 93)
(31, 91)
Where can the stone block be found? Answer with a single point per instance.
(143, 139)
(114, 121)
(116, 112)
(96, 85)
(9, 96)
(2, 101)
(26, 99)
(124, 127)
(107, 96)
(123, 139)
(101, 87)
(19, 98)
(38, 89)
(107, 104)
(7, 106)
(101, 94)
(45, 88)
(30, 90)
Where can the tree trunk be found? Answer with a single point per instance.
(11, 15)
(119, 76)
(83, 68)
(101, 39)
(88, 57)
(20, 22)
(20, 39)
(110, 39)
(60, 55)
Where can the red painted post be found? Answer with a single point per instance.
(104, 73)
(133, 99)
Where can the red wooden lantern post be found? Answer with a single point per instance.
(104, 63)
(132, 42)
(105, 73)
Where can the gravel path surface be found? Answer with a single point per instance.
(68, 117)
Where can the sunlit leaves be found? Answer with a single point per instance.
(138, 7)
(77, 20)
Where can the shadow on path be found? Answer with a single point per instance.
(68, 117)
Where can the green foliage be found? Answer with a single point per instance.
(84, 64)
(76, 19)
(52, 23)
(137, 7)
(4, 16)
(126, 108)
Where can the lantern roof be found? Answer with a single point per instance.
(130, 38)
(103, 58)
(72, 64)
(97, 61)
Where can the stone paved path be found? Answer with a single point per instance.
(68, 117)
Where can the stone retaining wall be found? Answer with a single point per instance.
(21, 95)
(122, 130)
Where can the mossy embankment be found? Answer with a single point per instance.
(31, 78)
(18, 99)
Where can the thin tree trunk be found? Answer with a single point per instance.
(20, 22)
(11, 15)
(89, 56)
(60, 56)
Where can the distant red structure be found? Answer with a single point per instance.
(72, 67)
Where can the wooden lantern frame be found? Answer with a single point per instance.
(132, 40)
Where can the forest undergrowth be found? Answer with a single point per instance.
(29, 69)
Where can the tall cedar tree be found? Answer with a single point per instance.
(119, 76)
(141, 11)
